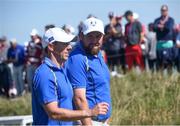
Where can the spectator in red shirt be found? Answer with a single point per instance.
(33, 56)
(133, 36)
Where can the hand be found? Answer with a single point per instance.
(28, 63)
(161, 22)
(160, 26)
(100, 109)
(142, 40)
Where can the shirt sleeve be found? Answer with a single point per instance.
(169, 24)
(45, 89)
(76, 71)
(156, 22)
(139, 26)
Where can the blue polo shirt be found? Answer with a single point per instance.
(90, 72)
(50, 84)
(17, 54)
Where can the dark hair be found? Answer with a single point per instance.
(49, 26)
(150, 26)
(127, 13)
(90, 16)
(111, 15)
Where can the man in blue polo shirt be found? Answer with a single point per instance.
(51, 92)
(90, 80)
(16, 55)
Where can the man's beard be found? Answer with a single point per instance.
(92, 49)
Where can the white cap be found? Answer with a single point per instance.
(57, 34)
(92, 24)
(135, 16)
(34, 32)
(13, 40)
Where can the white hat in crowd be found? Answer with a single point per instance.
(13, 40)
(135, 15)
(92, 24)
(56, 34)
(34, 32)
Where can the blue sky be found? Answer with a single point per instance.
(18, 17)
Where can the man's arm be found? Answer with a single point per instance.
(156, 23)
(70, 115)
(169, 25)
(81, 103)
(140, 29)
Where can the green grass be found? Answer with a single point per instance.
(17, 106)
(136, 98)
(146, 99)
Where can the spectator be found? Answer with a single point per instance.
(68, 29)
(112, 43)
(144, 46)
(163, 26)
(6, 80)
(151, 40)
(133, 36)
(33, 56)
(17, 57)
(122, 44)
(143, 43)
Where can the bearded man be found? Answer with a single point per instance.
(88, 73)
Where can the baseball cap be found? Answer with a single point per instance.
(135, 15)
(13, 40)
(92, 24)
(56, 35)
(127, 13)
(34, 32)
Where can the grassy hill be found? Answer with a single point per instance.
(136, 98)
